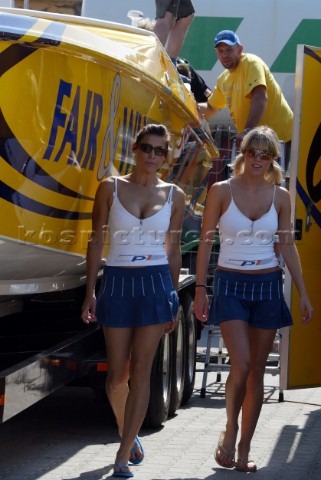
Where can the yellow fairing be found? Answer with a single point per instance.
(305, 340)
(72, 99)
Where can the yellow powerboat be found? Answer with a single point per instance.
(74, 92)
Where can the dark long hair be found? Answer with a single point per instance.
(153, 129)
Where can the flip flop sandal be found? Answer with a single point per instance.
(134, 451)
(242, 465)
(122, 471)
(229, 455)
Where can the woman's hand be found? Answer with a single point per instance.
(88, 313)
(200, 306)
(306, 309)
(171, 326)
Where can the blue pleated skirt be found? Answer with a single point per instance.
(255, 298)
(136, 297)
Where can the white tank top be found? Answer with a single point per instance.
(247, 244)
(135, 241)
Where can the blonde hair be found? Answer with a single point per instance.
(261, 138)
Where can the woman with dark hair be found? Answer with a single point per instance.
(248, 303)
(137, 301)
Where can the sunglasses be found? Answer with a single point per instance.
(263, 154)
(147, 148)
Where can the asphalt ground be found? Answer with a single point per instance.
(72, 436)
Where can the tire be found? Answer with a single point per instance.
(177, 364)
(160, 385)
(190, 347)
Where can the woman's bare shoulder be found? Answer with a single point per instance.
(107, 180)
(106, 186)
(178, 191)
(282, 193)
(282, 198)
(220, 188)
(178, 197)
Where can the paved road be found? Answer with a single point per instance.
(70, 436)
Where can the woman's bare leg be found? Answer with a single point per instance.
(260, 346)
(118, 346)
(235, 335)
(144, 343)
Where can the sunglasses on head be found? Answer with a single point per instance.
(147, 148)
(263, 154)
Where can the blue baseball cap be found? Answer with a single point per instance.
(228, 37)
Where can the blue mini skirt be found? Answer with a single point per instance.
(136, 297)
(255, 298)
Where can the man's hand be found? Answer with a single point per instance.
(238, 138)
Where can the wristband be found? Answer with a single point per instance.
(201, 285)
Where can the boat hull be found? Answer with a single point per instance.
(74, 96)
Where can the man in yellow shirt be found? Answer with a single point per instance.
(249, 90)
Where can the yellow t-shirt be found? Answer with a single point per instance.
(233, 89)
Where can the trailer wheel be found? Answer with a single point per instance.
(190, 347)
(177, 363)
(160, 385)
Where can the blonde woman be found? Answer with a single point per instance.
(248, 304)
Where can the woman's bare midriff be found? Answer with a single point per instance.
(254, 272)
